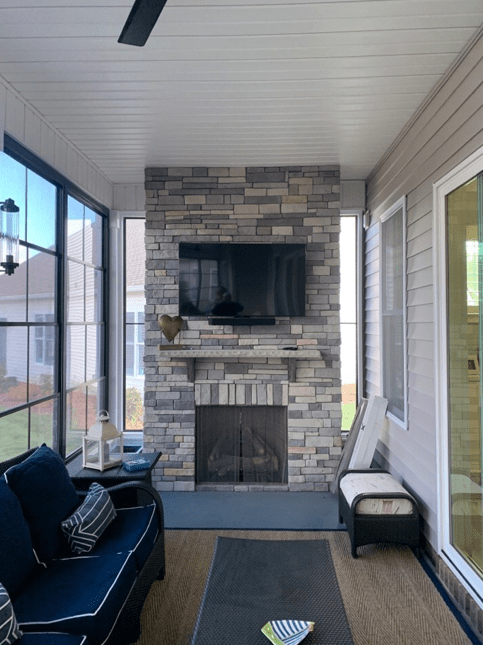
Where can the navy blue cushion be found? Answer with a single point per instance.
(85, 526)
(134, 529)
(78, 595)
(42, 638)
(47, 496)
(17, 558)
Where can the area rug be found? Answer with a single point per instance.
(388, 598)
(252, 582)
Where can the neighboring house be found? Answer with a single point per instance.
(134, 339)
(40, 285)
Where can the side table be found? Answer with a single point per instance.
(82, 478)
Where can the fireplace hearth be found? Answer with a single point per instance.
(241, 444)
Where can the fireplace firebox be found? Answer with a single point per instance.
(241, 444)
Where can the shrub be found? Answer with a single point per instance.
(134, 409)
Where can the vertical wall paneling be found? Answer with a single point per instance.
(15, 117)
(73, 163)
(47, 143)
(130, 197)
(25, 124)
(3, 111)
(60, 153)
(32, 131)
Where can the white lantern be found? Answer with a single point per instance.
(102, 445)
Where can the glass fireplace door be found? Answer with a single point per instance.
(241, 444)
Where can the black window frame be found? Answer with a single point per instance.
(65, 189)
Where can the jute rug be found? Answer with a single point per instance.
(388, 598)
(253, 581)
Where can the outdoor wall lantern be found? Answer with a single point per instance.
(102, 445)
(9, 235)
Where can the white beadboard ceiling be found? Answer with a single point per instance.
(224, 82)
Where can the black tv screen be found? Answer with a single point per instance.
(254, 280)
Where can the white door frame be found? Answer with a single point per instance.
(460, 175)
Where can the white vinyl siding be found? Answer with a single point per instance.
(446, 131)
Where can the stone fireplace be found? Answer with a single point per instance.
(244, 368)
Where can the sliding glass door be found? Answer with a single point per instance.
(464, 336)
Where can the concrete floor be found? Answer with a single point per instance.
(255, 510)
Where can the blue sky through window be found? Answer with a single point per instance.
(36, 199)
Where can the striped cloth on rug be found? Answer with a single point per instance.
(287, 632)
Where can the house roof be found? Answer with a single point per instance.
(42, 279)
(230, 83)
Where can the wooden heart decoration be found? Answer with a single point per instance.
(170, 327)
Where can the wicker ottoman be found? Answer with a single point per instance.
(376, 508)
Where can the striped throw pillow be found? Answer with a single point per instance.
(9, 631)
(84, 527)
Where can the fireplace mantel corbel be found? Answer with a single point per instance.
(190, 356)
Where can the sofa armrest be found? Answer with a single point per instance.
(128, 494)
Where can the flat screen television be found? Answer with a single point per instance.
(243, 281)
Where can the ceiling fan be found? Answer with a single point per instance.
(140, 22)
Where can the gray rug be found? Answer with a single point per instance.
(254, 581)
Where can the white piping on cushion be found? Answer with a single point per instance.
(84, 638)
(52, 622)
(37, 558)
(76, 557)
(147, 528)
(119, 613)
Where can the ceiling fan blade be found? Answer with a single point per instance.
(140, 22)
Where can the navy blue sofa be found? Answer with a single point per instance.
(60, 598)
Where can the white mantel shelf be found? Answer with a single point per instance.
(189, 356)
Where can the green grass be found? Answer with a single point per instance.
(14, 431)
(348, 412)
(14, 437)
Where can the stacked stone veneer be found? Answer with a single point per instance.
(294, 204)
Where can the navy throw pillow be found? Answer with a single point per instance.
(9, 631)
(16, 555)
(47, 497)
(90, 520)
